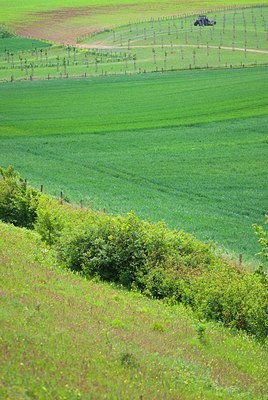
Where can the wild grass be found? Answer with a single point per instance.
(65, 337)
(169, 147)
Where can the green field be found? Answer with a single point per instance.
(168, 146)
(63, 337)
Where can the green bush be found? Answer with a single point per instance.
(238, 299)
(263, 239)
(49, 221)
(6, 33)
(18, 203)
(112, 248)
(134, 253)
(160, 263)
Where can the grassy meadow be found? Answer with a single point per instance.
(63, 337)
(168, 146)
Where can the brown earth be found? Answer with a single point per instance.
(59, 25)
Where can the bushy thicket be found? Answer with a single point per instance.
(6, 32)
(159, 262)
(18, 202)
(262, 238)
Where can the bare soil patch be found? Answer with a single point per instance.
(59, 25)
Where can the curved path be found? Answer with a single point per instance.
(106, 47)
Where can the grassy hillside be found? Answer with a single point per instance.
(65, 337)
(167, 146)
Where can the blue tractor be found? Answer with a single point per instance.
(202, 20)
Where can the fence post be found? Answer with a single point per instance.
(61, 198)
(41, 188)
(81, 203)
(240, 259)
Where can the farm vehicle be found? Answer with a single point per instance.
(202, 20)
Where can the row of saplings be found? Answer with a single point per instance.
(150, 258)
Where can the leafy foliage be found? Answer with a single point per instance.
(263, 239)
(236, 298)
(160, 263)
(6, 32)
(49, 220)
(17, 202)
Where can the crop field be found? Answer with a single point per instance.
(151, 144)
(239, 39)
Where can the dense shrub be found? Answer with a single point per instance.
(160, 263)
(238, 299)
(18, 203)
(6, 33)
(49, 222)
(263, 238)
(133, 252)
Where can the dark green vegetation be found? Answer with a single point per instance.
(163, 264)
(5, 33)
(64, 337)
(239, 38)
(20, 46)
(17, 201)
(189, 147)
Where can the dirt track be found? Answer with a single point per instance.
(104, 47)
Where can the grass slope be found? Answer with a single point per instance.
(64, 337)
(168, 147)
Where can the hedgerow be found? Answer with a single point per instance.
(18, 203)
(161, 263)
